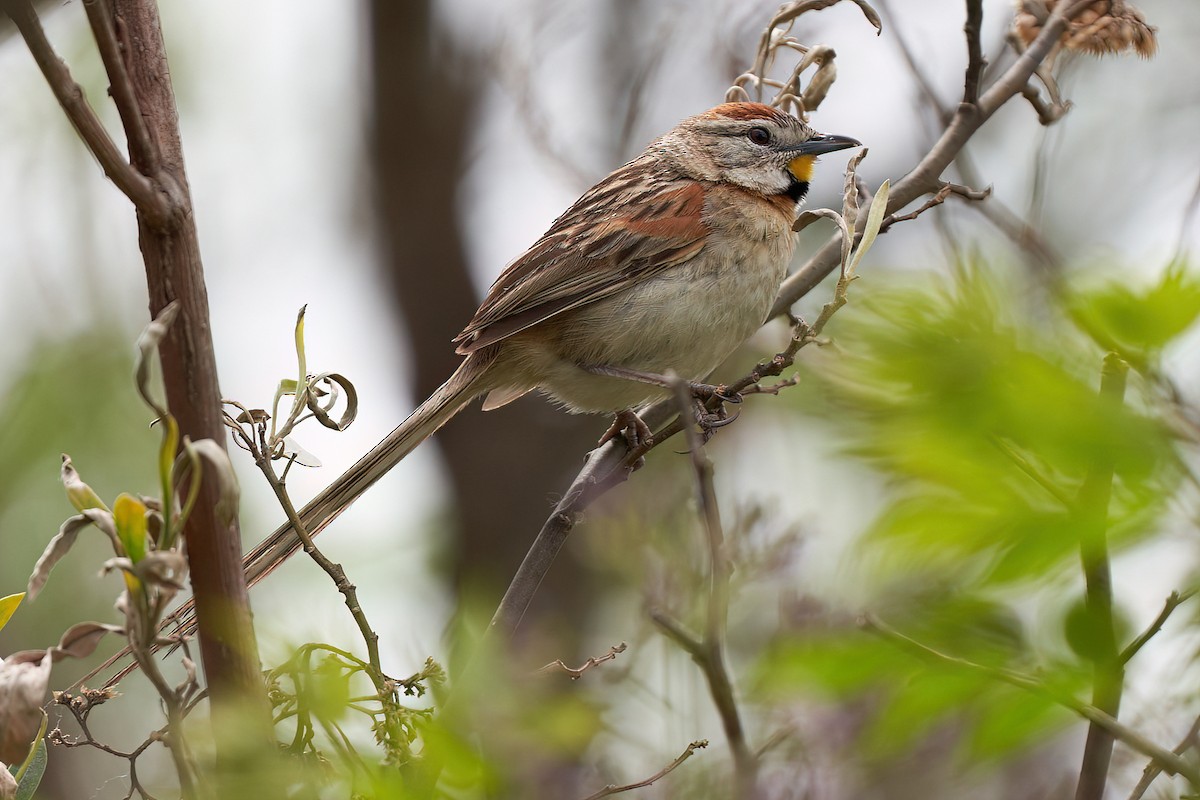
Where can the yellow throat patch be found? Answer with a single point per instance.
(801, 168)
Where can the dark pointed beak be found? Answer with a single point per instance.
(824, 143)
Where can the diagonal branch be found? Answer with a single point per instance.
(136, 186)
(924, 177)
(141, 145)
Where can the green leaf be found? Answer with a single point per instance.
(1141, 321)
(129, 516)
(33, 770)
(8, 605)
(874, 222)
(29, 774)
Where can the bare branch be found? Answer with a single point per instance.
(1173, 602)
(975, 60)
(136, 186)
(608, 791)
(924, 177)
(947, 189)
(141, 145)
(1154, 769)
(575, 673)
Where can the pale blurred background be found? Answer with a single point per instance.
(381, 161)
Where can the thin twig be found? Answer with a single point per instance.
(1154, 769)
(136, 186)
(1170, 762)
(1174, 600)
(709, 652)
(947, 189)
(575, 673)
(608, 791)
(141, 145)
(332, 569)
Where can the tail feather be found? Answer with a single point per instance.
(468, 382)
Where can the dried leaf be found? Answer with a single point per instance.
(62, 542)
(165, 569)
(293, 450)
(147, 345)
(822, 80)
(321, 410)
(8, 784)
(78, 492)
(850, 190)
(253, 415)
(8, 605)
(1100, 29)
(24, 678)
(217, 467)
(847, 239)
(81, 640)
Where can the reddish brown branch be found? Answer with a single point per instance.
(608, 791)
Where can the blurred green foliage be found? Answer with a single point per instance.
(979, 406)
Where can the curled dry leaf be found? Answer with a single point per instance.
(789, 11)
(81, 640)
(217, 466)
(1106, 26)
(321, 410)
(62, 542)
(821, 81)
(147, 345)
(165, 569)
(24, 679)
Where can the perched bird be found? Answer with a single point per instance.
(665, 266)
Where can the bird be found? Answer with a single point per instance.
(664, 267)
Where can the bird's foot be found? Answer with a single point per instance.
(630, 427)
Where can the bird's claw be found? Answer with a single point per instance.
(630, 427)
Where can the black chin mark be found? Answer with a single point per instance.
(796, 190)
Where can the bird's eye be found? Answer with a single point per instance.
(759, 136)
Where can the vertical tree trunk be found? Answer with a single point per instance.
(174, 272)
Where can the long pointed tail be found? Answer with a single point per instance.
(467, 383)
(461, 388)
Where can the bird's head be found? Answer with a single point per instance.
(751, 145)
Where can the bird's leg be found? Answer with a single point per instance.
(702, 393)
